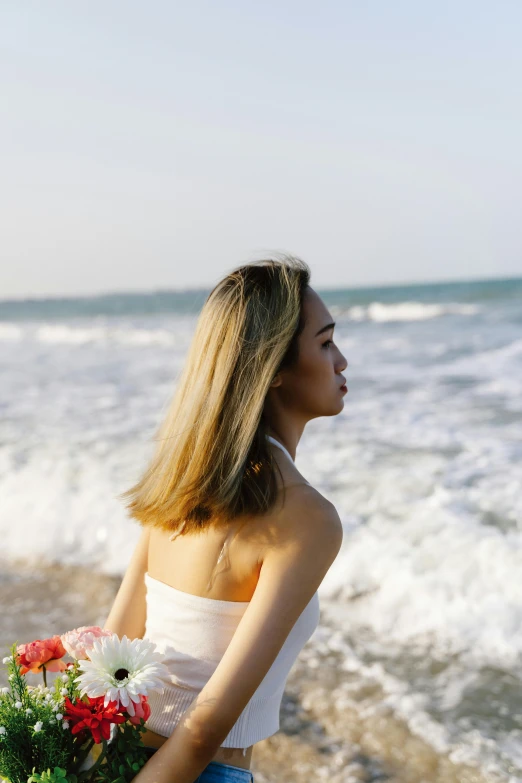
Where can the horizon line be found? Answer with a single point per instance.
(202, 288)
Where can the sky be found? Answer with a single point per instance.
(160, 144)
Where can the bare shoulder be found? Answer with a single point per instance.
(304, 520)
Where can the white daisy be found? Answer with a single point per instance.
(122, 670)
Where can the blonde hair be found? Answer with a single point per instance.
(212, 460)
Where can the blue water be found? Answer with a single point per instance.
(423, 465)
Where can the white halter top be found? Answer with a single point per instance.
(192, 633)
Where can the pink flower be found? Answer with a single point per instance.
(79, 641)
(41, 653)
(141, 710)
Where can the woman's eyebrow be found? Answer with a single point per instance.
(325, 328)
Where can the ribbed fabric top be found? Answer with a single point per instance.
(192, 632)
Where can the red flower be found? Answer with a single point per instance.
(42, 652)
(93, 716)
(142, 710)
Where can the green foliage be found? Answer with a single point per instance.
(126, 755)
(58, 775)
(22, 747)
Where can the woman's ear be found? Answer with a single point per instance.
(277, 380)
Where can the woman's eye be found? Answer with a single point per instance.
(327, 343)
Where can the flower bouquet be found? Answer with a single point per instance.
(87, 727)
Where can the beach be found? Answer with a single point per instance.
(332, 725)
(415, 670)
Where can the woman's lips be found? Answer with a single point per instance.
(344, 388)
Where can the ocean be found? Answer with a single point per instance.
(423, 466)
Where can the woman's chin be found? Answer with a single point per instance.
(336, 408)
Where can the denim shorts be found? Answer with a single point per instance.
(216, 772)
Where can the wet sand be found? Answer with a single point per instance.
(333, 726)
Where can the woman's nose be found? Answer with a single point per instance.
(343, 362)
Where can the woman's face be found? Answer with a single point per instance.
(312, 386)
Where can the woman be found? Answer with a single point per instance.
(222, 488)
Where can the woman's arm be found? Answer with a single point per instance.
(301, 549)
(129, 610)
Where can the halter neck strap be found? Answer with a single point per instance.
(276, 442)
